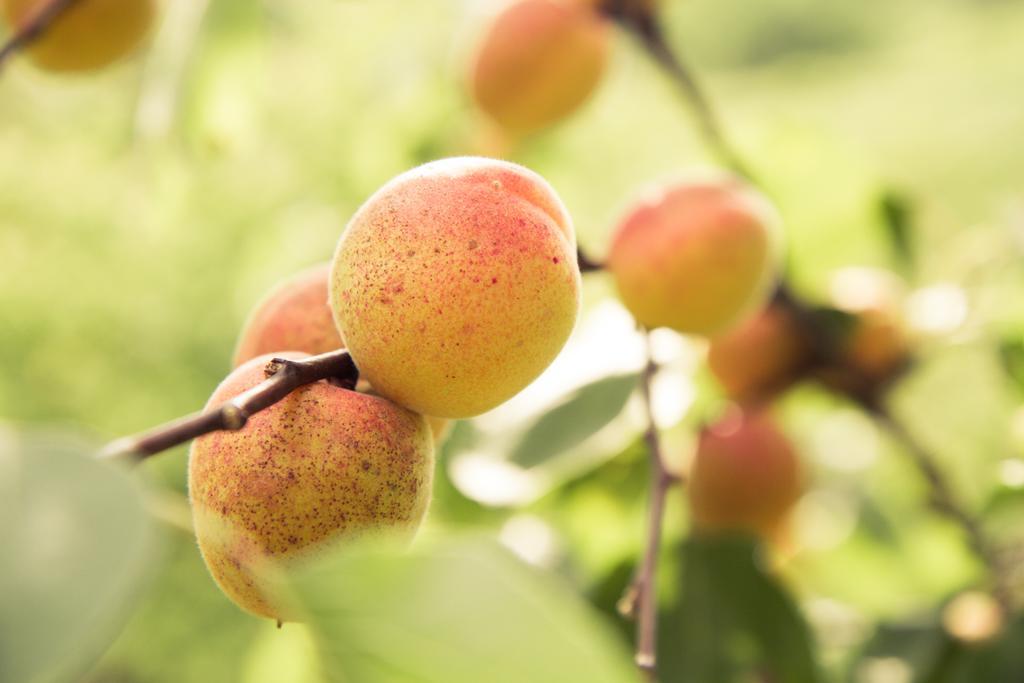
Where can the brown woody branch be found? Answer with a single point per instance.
(641, 598)
(32, 29)
(283, 377)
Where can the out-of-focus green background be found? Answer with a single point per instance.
(144, 209)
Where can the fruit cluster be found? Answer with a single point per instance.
(457, 283)
(452, 288)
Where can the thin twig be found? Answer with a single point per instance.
(944, 501)
(641, 598)
(283, 377)
(32, 29)
(647, 26)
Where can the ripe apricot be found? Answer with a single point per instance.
(873, 348)
(88, 35)
(456, 284)
(695, 256)
(293, 316)
(745, 477)
(761, 357)
(322, 465)
(538, 61)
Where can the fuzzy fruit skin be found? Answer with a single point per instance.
(293, 315)
(321, 465)
(696, 256)
(745, 477)
(456, 285)
(761, 357)
(89, 35)
(538, 61)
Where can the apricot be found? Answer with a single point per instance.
(696, 256)
(874, 347)
(90, 34)
(456, 284)
(295, 316)
(322, 465)
(761, 357)
(538, 61)
(877, 345)
(745, 477)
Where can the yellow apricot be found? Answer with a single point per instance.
(761, 357)
(322, 465)
(294, 316)
(456, 284)
(538, 61)
(695, 256)
(745, 477)
(88, 35)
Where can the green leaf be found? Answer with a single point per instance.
(1011, 353)
(931, 655)
(897, 215)
(580, 415)
(457, 612)
(77, 543)
(733, 618)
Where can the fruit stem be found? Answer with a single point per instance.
(283, 377)
(34, 27)
(641, 597)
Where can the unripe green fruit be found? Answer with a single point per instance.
(322, 465)
(456, 284)
(88, 35)
(696, 256)
(745, 477)
(761, 357)
(294, 316)
(538, 61)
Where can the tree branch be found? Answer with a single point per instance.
(644, 23)
(283, 377)
(945, 502)
(34, 27)
(641, 597)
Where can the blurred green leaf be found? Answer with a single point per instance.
(458, 612)
(1011, 353)
(733, 618)
(930, 655)
(77, 544)
(897, 215)
(579, 416)
(913, 646)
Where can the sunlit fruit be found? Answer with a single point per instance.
(745, 477)
(761, 357)
(538, 61)
(322, 465)
(88, 35)
(456, 284)
(696, 256)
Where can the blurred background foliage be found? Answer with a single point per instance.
(144, 209)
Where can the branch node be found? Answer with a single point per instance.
(234, 417)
